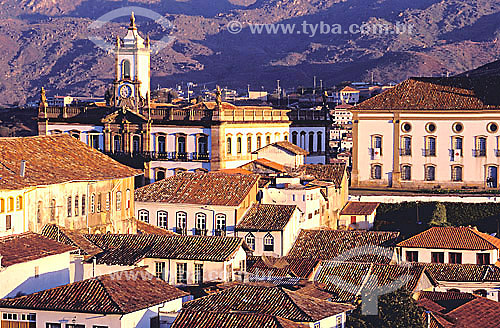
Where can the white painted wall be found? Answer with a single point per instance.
(468, 256)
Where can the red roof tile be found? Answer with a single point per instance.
(29, 246)
(117, 293)
(149, 229)
(359, 208)
(288, 146)
(463, 272)
(480, 312)
(70, 237)
(266, 217)
(55, 159)
(199, 188)
(452, 238)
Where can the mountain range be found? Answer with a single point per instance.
(46, 43)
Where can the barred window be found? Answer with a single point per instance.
(377, 172)
(456, 173)
(406, 173)
(430, 173)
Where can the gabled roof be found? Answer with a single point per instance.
(149, 229)
(329, 244)
(281, 267)
(266, 217)
(325, 172)
(275, 301)
(28, 247)
(430, 93)
(349, 89)
(286, 145)
(480, 312)
(117, 293)
(359, 208)
(70, 237)
(199, 188)
(55, 159)
(464, 272)
(190, 319)
(130, 249)
(452, 238)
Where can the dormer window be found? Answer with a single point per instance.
(125, 69)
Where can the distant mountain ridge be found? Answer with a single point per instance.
(45, 43)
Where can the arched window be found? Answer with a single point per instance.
(160, 174)
(161, 144)
(181, 223)
(249, 144)
(2, 205)
(84, 205)
(125, 69)
(303, 140)
(10, 204)
(75, 134)
(117, 142)
(181, 145)
(203, 145)
(319, 147)
(118, 200)
(376, 172)
(162, 219)
(228, 146)
(201, 224)
(259, 142)
(70, 204)
(268, 243)
(136, 144)
(77, 209)
(127, 204)
(92, 203)
(456, 173)
(144, 216)
(285, 137)
(220, 225)
(294, 137)
(311, 142)
(19, 203)
(430, 173)
(268, 140)
(238, 145)
(406, 172)
(99, 202)
(250, 240)
(406, 149)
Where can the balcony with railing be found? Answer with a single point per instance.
(200, 232)
(497, 152)
(181, 230)
(428, 152)
(479, 152)
(161, 156)
(220, 232)
(405, 151)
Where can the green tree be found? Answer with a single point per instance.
(438, 218)
(396, 310)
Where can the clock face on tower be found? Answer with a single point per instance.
(125, 91)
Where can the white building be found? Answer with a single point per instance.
(30, 262)
(283, 152)
(270, 229)
(429, 132)
(358, 215)
(452, 245)
(197, 203)
(126, 299)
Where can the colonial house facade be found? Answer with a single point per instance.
(164, 138)
(30, 262)
(358, 215)
(429, 133)
(60, 180)
(197, 203)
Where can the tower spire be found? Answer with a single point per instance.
(132, 21)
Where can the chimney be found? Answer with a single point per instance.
(23, 169)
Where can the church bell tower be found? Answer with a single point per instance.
(131, 87)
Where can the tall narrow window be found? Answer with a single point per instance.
(162, 218)
(181, 145)
(201, 223)
(162, 148)
(268, 243)
(108, 200)
(319, 142)
(456, 173)
(181, 273)
(136, 144)
(376, 172)
(294, 137)
(144, 216)
(70, 203)
(19, 203)
(2, 205)
(430, 145)
(220, 225)
(268, 140)
(406, 150)
(52, 209)
(77, 209)
(92, 203)
(128, 200)
(117, 143)
(84, 204)
(181, 223)
(311, 142)
(125, 69)
(10, 204)
(203, 145)
(250, 240)
(160, 270)
(228, 146)
(8, 222)
(238, 145)
(406, 173)
(249, 144)
(259, 142)
(480, 150)
(198, 273)
(39, 212)
(430, 173)
(118, 200)
(99, 202)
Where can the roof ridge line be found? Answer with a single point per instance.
(294, 304)
(478, 233)
(98, 279)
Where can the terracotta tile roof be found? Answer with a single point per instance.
(352, 277)
(427, 93)
(269, 164)
(117, 293)
(349, 89)
(281, 267)
(452, 238)
(190, 319)
(445, 296)
(71, 238)
(328, 244)
(29, 246)
(55, 159)
(443, 302)
(286, 145)
(236, 171)
(199, 188)
(149, 229)
(359, 208)
(129, 249)
(464, 272)
(480, 312)
(275, 301)
(266, 217)
(324, 172)
(430, 305)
